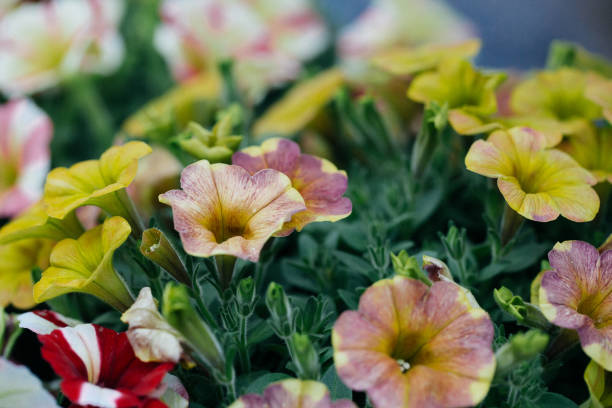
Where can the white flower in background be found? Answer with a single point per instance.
(25, 134)
(43, 43)
(268, 39)
(393, 23)
(6, 5)
(20, 388)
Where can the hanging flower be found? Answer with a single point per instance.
(576, 294)
(25, 134)
(42, 44)
(17, 260)
(223, 210)
(20, 388)
(86, 265)
(558, 95)
(292, 393)
(319, 182)
(268, 40)
(96, 182)
(592, 149)
(388, 24)
(467, 92)
(536, 182)
(411, 345)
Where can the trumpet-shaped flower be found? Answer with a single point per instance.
(410, 345)
(559, 95)
(592, 149)
(85, 265)
(319, 182)
(223, 210)
(292, 393)
(268, 40)
(42, 44)
(17, 260)
(468, 93)
(96, 182)
(536, 182)
(25, 133)
(389, 24)
(576, 294)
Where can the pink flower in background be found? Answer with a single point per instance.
(25, 134)
(267, 39)
(43, 43)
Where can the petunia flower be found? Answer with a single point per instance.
(388, 24)
(558, 95)
(319, 182)
(576, 294)
(96, 182)
(466, 91)
(25, 134)
(592, 149)
(20, 388)
(536, 182)
(223, 210)
(292, 393)
(45, 43)
(17, 260)
(35, 223)
(411, 345)
(152, 338)
(599, 91)
(86, 265)
(267, 40)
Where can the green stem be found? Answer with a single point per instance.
(243, 350)
(510, 224)
(565, 340)
(2, 326)
(11, 342)
(205, 313)
(225, 268)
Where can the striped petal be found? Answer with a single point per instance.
(45, 321)
(223, 210)
(319, 182)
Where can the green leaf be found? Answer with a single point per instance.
(351, 299)
(357, 264)
(552, 400)
(337, 389)
(257, 386)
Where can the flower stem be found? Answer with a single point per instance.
(510, 224)
(225, 268)
(11, 342)
(565, 340)
(243, 351)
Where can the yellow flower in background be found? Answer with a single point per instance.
(592, 149)
(408, 61)
(536, 182)
(96, 182)
(35, 223)
(86, 265)
(17, 260)
(300, 105)
(600, 91)
(456, 83)
(558, 95)
(181, 105)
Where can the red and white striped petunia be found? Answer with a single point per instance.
(25, 134)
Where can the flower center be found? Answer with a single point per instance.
(8, 176)
(404, 365)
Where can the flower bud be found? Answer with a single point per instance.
(525, 313)
(305, 357)
(245, 296)
(156, 247)
(521, 347)
(280, 309)
(406, 265)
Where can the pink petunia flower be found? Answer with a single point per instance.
(25, 134)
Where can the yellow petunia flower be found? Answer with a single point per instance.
(536, 182)
(97, 182)
(592, 149)
(600, 91)
(86, 265)
(17, 260)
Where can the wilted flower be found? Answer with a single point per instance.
(151, 337)
(558, 95)
(268, 40)
(44, 43)
(576, 294)
(411, 345)
(591, 147)
(17, 260)
(96, 182)
(20, 388)
(388, 24)
(319, 182)
(536, 182)
(466, 91)
(223, 210)
(292, 393)
(86, 265)
(25, 133)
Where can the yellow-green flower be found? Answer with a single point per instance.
(592, 149)
(599, 383)
(35, 223)
(559, 95)
(536, 182)
(96, 182)
(17, 260)
(456, 83)
(86, 265)
(408, 61)
(600, 91)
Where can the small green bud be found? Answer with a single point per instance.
(434, 122)
(216, 145)
(305, 357)
(406, 265)
(156, 247)
(245, 296)
(521, 347)
(525, 313)
(280, 310)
